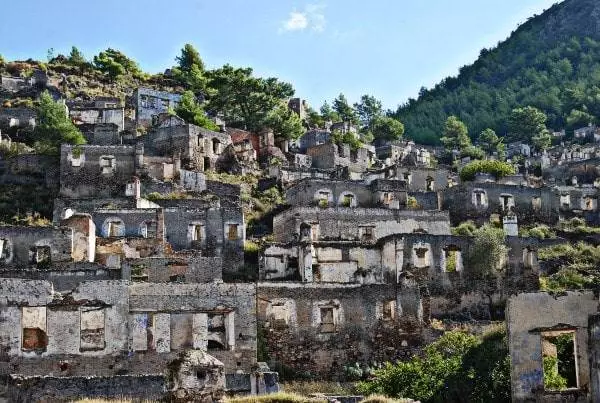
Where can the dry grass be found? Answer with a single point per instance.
(307, 388)
(113, 401)
(281, 397)
(384, 399)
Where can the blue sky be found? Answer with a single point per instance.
(387, 48)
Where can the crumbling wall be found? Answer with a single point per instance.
(96, 171)
(530, 204)
(296, 337)
(179, 268)
(41, 246)
(345, 223)
(529, 315)
(198, 302)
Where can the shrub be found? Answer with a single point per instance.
(488, 251)
(457, 367)
(498, 169)
(466, 228)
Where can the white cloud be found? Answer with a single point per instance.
(312, 17)
(296, 22)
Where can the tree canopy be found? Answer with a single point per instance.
(192, 112)
(243, 100)
(54, 127)
(115, 63)
(551, 62)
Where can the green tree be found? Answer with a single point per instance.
(76, 58)
(314, 119)
(369, 109)
(328, 113)
(338, 137)
(192, 112)
(498, 169)
(456, 135)
(344, 110)
(54, 127)
(284, 122)
(526, 123)
(490, 142)
(2, 61)
(542, 140)
(189, 58)
(115, 63)
(579, 118)
(190, 71)
(386, 128)
(245, 101)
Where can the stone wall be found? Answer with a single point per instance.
(529, 316)
(294, 320)
(67, 389)
(179, 268)
(41, 246)
(96, 171)
(183, 301)
(343, 223)
(530, 204)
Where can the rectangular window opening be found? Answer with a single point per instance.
(92, 329)
(33, 324)
(327, 320)
(232, 232)
(559, 359)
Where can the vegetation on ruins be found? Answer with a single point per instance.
(540, 231)
(54, 127)
(496, 168)
(570, 267)
(488, 250)
(190, 110)
(455, 368)
(489, 142)
(466, 228)
(456, 137)
(551, 62)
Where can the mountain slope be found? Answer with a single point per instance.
(551, 62)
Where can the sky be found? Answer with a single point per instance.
(385, 48)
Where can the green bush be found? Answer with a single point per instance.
(456, 368)
(570, 267)
(552, 379)
(466, 228)
(498, 169)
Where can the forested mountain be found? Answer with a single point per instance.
(551, 62)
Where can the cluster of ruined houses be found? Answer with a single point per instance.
(362, 258)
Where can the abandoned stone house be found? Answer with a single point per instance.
(38, 79)
(404, 153)
(112, 328)
(199, 149)
(478, 201)
(149, 103)
(99, 111)
(417, 179)
(17, 118)
(590, 132)
(557, 333)
(331, 156)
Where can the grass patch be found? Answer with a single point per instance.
(308, 388)
(282, 397)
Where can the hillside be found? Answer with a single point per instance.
(551, 62)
